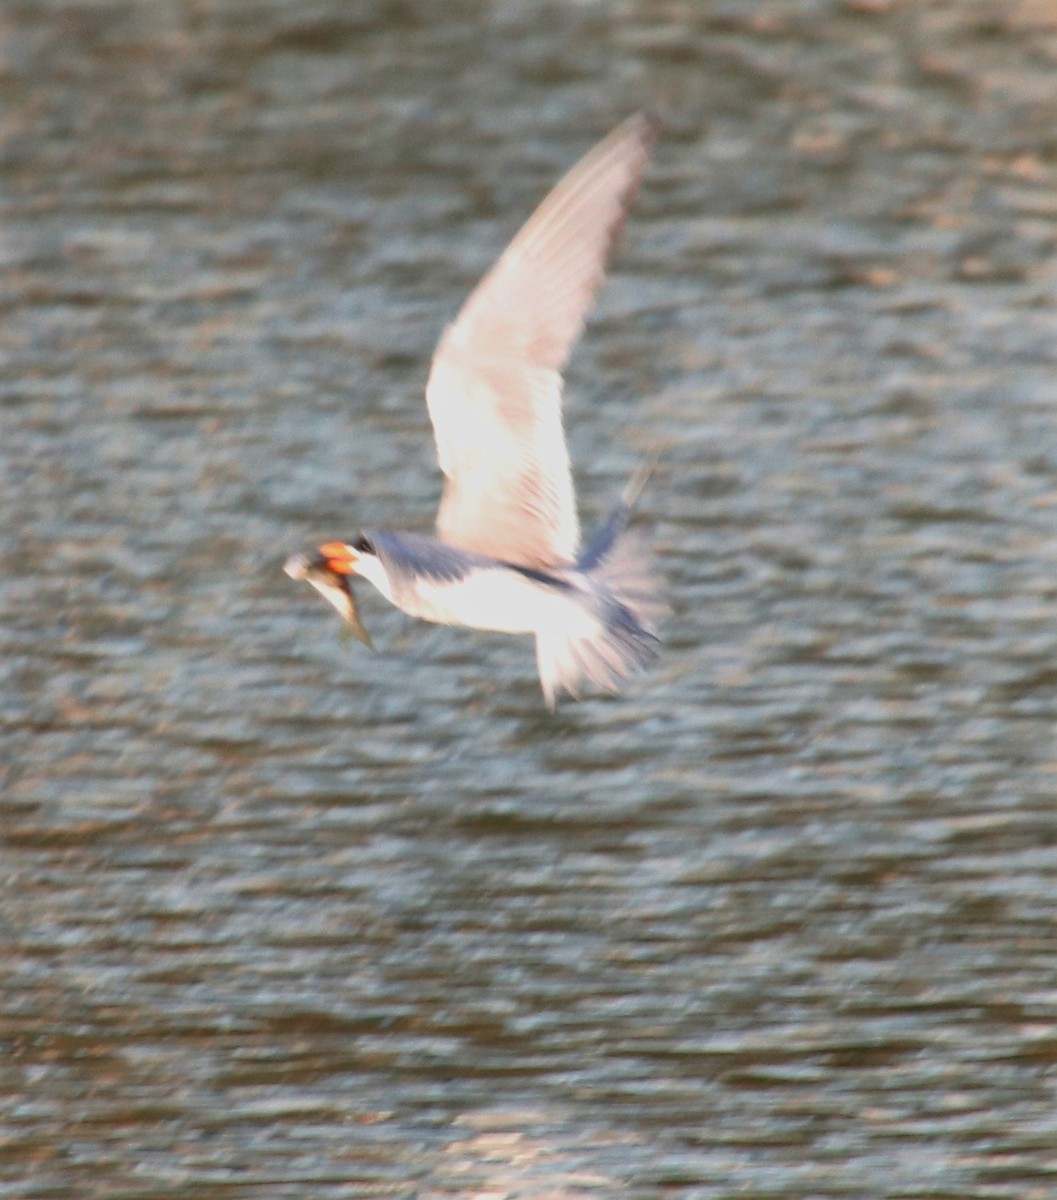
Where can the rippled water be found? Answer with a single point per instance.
(285, 918)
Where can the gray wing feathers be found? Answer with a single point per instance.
(495, 390)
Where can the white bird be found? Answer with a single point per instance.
(507, 554)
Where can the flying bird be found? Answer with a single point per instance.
(507, 554)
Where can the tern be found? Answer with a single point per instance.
(507, 554)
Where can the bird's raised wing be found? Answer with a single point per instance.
(495, 389)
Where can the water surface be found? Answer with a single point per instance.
(285, 918)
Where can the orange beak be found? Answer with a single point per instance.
(340, 558)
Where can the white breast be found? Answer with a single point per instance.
(492, 598)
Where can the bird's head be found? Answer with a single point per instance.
(360, 558)
(349, 558)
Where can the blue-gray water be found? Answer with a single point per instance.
(283, 918)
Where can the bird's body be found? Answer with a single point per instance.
(507, 554)
(434, 582)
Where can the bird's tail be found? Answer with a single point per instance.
(619, 607)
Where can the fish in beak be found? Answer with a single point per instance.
(328, 572)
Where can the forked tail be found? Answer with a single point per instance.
(620, 603)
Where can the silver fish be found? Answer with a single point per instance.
(333, 587)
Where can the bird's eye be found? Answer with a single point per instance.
(363, 545)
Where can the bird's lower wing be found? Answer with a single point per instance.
(495, 390)
(508, 489)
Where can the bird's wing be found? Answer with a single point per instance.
(495, 389)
